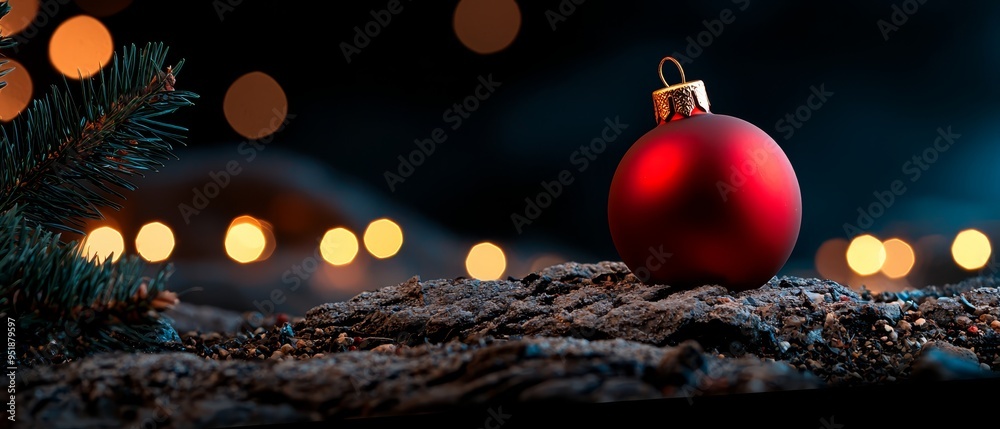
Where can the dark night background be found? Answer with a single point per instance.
(890, 97)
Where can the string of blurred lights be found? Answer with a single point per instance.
(81, 45)
(250, 240)
(866, 255)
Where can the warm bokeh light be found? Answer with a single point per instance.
(103, 242)
(339, 246)
(22, 12)
(830, 261)
(487, 26)
(81, 45)
(17, 94)
(383, 238)
(485, 261)
(971, 249)
(899, 258)
(154, 242)
(103, 7)
(245, 240)
(865, 255)
(255, 105)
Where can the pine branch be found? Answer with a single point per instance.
(67, 306)
(60, 161)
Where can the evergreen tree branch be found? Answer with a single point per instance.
(68, 306)
(60, 162)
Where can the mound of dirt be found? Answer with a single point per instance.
(571, 332)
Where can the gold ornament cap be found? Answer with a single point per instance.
(681, 98)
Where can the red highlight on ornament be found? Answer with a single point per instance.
(660, 173)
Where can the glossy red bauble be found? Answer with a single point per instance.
(705, 199)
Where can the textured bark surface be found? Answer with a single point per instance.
(571, 332)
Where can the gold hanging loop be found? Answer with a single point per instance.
(659, 70)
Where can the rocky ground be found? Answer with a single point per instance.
(571, 332)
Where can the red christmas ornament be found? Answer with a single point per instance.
(703, 198)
